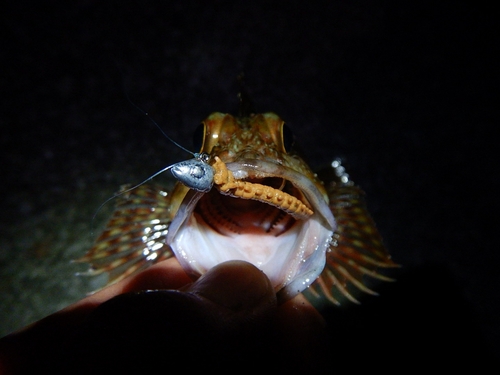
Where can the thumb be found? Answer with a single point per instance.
(237, 286)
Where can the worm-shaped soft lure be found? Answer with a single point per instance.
(224, 181)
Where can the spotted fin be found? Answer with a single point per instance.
(134, 237)
(356, 252)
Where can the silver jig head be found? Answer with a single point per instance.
(195, 173)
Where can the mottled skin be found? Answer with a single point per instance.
(258, 137)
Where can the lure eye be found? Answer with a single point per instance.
(288, 137)
(199, 137)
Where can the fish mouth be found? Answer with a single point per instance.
(210, 228)
(230, 216)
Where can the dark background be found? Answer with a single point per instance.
(404, 92)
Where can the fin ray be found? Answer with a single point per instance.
(358, 251)
(135, 236)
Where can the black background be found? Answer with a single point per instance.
(404, 92)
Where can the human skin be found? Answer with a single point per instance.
(228, 317)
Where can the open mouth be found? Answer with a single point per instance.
(230, 216)
(272, 217)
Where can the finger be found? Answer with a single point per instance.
(164, 275)
(58, 327)
(238, 286)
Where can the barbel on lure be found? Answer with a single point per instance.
(248, 196)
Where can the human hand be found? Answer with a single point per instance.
(159, 318)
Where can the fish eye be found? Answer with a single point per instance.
(199, 137)
(288, 137)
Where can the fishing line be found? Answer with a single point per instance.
(195, 154)
(195, 173)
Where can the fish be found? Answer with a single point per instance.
(260, 203)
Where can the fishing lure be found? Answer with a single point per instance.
(248, 196)
(227, 184)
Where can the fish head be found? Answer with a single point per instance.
(272, 210)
